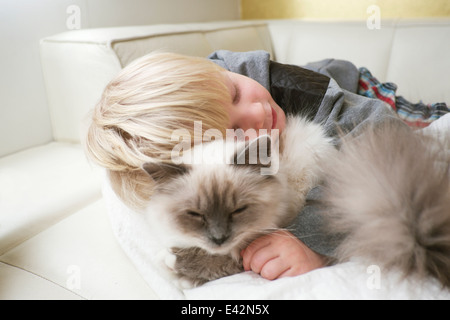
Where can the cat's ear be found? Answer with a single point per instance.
(255, 152)
(161, 172)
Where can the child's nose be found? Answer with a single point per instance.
(256, 116)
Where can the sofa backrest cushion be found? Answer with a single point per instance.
(414, 54)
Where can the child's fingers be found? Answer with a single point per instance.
(249, 253)
(290, 272)
(274, 269)
(261, 257)
(279, 255)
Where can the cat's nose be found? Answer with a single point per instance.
(220, 240)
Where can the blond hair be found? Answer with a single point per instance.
(141, 107)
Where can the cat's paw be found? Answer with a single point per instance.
(167, 259)
(185, 283)
(170, 260)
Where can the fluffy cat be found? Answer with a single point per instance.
(388, 194)
(206, 213)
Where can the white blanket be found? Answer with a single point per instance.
(352, 280)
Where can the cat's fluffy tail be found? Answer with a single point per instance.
(388, 192)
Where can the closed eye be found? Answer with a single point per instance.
(239, 210)
(194, 214)
(237, 95)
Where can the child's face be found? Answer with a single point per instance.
(252, 106)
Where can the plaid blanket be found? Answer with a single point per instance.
(417, 115)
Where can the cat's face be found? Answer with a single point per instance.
(218, 207)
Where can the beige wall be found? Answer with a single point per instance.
(342, 9)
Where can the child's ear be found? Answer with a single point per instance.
(161, 172)
(255, 152)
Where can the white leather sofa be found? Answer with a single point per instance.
(55, 237)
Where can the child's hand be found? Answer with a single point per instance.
(280, 254)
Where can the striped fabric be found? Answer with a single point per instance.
(418, 115)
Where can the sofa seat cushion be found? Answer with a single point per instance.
(41, 186)
(18, 284)
(81, 255)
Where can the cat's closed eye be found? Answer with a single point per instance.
(239, 210)
(194, 214)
